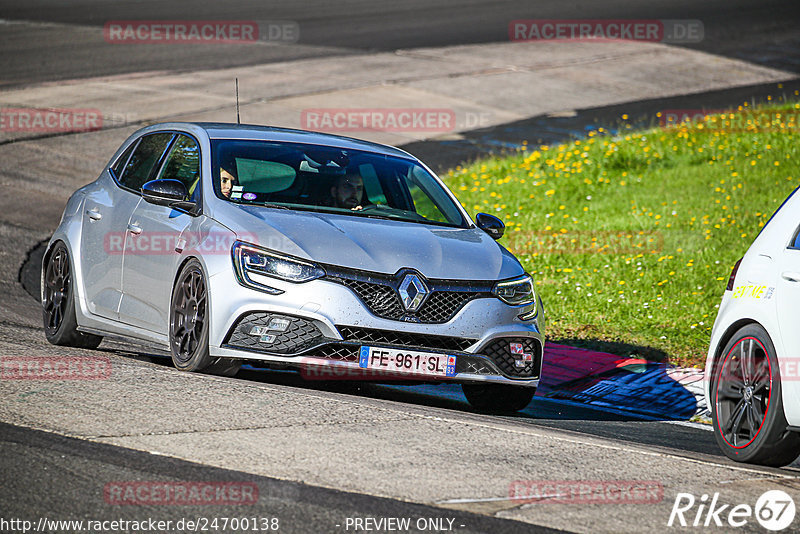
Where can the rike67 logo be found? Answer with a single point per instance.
(774, 510)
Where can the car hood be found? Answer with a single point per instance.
(372, 244)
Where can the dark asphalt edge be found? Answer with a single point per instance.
(727, 31)
(161, 467)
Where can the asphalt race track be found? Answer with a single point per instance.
(323, 453)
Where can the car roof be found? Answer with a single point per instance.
(222, 130)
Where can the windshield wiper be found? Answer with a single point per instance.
(264, 205)
(383, 208)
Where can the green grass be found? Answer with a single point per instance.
(631, 238)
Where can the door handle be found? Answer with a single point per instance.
(134, 229)
(791, 276)
(94, 215)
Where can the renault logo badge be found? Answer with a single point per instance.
(413, 292)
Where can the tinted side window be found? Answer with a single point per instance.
(119, 166)
(430, 201)
(144, 158)
(183, 163)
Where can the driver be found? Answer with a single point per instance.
(348, 192)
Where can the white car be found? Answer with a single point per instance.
(753, 376)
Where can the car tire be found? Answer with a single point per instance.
(498, 398)
(745, 394)
(58, 303)
(188, 325)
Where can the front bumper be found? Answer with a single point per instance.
(301, 344)
(329, 324)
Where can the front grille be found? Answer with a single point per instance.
(474, 365)
(404, 339)
(381, 300)
(336, 351)
(499, 351)
(379, 293)
(299, 336)
(441, 306)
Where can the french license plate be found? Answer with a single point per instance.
(407, 361)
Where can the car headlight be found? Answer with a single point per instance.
(515, 292)
(253, 264)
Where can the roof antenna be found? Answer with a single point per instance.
(237, 102)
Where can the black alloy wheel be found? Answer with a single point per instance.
(746, 402)
(189, 325)
(58, 302)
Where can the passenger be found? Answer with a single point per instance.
(348, 192)
(227, 179)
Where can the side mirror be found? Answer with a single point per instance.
(171, 193)
(491, 225)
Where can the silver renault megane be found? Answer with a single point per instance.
(293, 250)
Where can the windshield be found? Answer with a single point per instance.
(317, 178)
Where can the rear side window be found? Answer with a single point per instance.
(796, 240)
(183, 163)
(147, 154)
